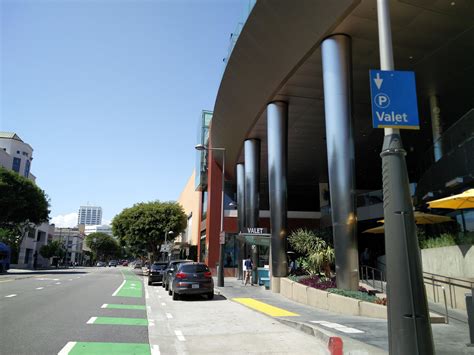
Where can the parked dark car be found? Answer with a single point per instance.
(191, 279)
(113, 263)
(169, 270)
(156, 272)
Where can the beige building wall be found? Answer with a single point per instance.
(190, 199)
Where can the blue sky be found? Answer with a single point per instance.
(108, 93)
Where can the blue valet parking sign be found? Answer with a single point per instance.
(393, 99)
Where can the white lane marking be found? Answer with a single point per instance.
(146, 293)
(92, 320)
(58, 283)
(104, 305)
(179, 335)
(69, 279)
(163, 303)
(151, 322)
(336, 326)
(67, 348)
(55, 279)
(117, 290)
(155, 350)
(169, 315)
(10, 296)
(149, 308)
(39, 288)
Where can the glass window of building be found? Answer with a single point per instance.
(16, 164)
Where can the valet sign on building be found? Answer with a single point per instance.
(393, 99)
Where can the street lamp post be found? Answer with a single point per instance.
(220, 274)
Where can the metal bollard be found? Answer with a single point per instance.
(470, 317)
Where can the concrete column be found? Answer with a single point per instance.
(436, 127)
(252, 191)
(240, 173)
(337, 73)
(277, 127)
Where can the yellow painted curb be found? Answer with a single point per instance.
(265, 308)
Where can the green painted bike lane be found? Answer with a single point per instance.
(95, 348)
(131, 286)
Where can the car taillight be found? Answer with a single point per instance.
(208, 274)
(180, 275)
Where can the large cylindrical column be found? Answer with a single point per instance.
(252, 191)
(337, 73)
(436, 127)
(277, 127)
(240, 173)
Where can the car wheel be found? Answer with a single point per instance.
(175, 296)
(210, 296)
(170, 292)
(162, 284)
(150, 283)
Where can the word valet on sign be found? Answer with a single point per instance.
(254, 230)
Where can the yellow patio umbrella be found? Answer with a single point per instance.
(427, 218)
(375, 230)
(456, 202)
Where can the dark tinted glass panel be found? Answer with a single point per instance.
(194, 268)
(158, 266)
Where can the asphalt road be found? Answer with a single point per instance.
(41, 313)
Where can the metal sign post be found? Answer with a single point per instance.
(409, 329)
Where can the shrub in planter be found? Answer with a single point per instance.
(363, 296)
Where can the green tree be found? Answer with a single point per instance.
(143, 226)
(22, 204)
(102, 245)
(318, 254)
(53, 249)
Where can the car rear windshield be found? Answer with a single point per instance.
(158, 266)
(194, 268)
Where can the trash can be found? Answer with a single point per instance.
(470, 317)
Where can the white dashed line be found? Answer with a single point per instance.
(104, 305)
(336, 326)
(151, 322)
(169, 315)
(179, 335)
(69, 279)
(92, 320)
(155, 350)
(158, 295)
(39, 288)
(163, 303)
(58, 283)
(67, 348)
(10, 296)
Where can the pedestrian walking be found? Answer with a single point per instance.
(248, 271)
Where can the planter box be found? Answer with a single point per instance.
(373, 310)
(286, 288)
(342, 304)
(317, 298)
(299, 293)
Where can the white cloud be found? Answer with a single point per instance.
(65, 221)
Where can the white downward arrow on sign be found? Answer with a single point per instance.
(378, 81)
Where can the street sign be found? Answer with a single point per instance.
(222, 238)
(393, 99)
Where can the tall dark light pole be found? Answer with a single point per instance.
(220, 274)
(409, 329)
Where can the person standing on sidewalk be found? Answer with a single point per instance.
(248, 271)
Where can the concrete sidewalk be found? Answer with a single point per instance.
(367, 335)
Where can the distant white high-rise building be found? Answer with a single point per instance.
(89, 215)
